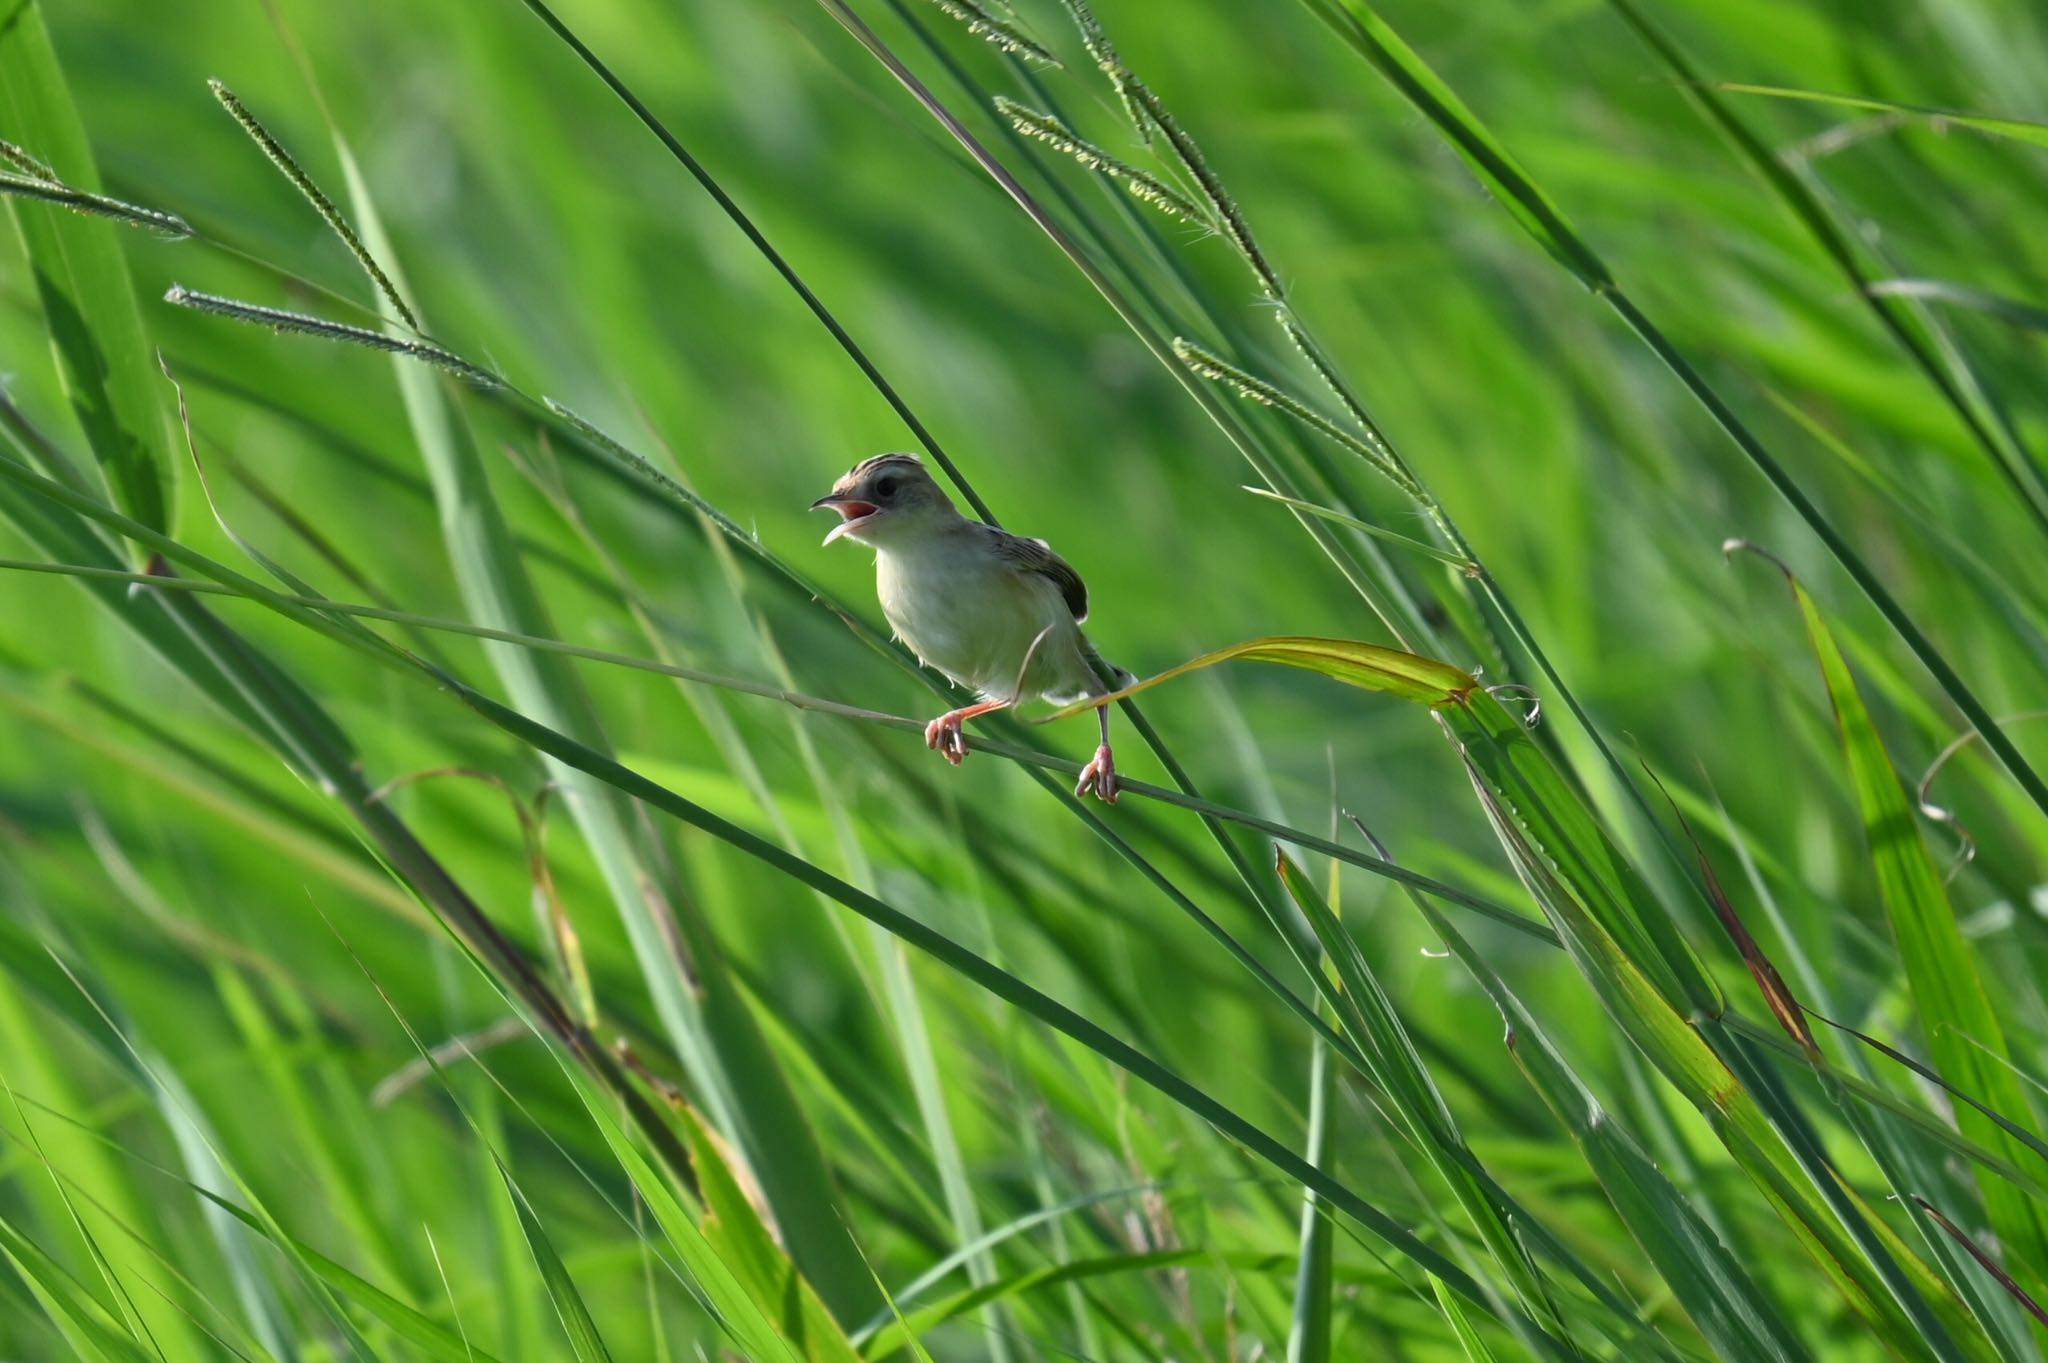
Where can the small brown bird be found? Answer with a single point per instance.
(997, 613)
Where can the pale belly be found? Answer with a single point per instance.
(978, 626)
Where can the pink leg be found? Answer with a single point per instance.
(945, 736)
(1100, 774)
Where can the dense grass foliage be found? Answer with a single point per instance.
(471, 886)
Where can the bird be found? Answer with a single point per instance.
(997, 613)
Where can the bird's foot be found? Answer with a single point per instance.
(945, 737)
(1099, 776)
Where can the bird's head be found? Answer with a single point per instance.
(885, 499)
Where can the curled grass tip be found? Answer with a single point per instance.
(995, 29)
(281, 320)
(38, 185)
(314, 195)
(1142, 185)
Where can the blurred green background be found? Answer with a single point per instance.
(265, 975)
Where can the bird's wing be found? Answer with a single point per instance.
(1036, 556)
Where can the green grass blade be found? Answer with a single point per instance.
(84, 1323)
(2013, 312)
(82, 280)
(1957, 386)
(710, 1025)
(1308, 1333)
(1356, 23)
(1724, 1301)
(1475, 1347)
(585, 1342)
(1370, 666)
(230, 584)
(1378, 532)
(733, 1227)
(1948, 992)
(2020, 129)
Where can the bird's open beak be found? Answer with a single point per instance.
(853, 512)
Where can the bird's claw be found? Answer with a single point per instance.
(945, 737)
(1099, 776)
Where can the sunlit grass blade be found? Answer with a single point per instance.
(84, 1323)
(1370, 666)
(1469, 1339)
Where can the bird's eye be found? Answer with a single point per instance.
(886, 487)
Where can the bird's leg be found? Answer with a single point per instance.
(945, 736)
(1100, 774)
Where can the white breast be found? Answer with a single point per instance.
(975, 618)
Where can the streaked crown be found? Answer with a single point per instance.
(892, 480)
(870, 468)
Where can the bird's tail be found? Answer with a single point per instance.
(1108, 674)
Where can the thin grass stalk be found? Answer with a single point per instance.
(1361, 28)
(1373, 447)
(1284, 924)
(711, 1029)
(1260, 894)
(1308, 1335)
(916, 934)
(1309, 456)
(1956, 385)
(231, 583)
(760, 242)
(1307, 841)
